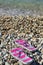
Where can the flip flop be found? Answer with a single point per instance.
(20, 55)
(25, 45)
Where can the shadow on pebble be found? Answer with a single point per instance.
(34, 63)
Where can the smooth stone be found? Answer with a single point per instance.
(42, 56)
(6, 63)
(1, 44)
(31, 34)
(0, 34)
(0, 62)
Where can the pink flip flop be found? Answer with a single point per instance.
(20, 55)
(25, 45)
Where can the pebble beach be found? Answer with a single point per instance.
(21, 27)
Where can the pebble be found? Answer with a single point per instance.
(21, 28)
(1, 44)
(0, 34)
(0, 62)
(6, 63)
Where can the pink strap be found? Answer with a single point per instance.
(27, 59)
(16, 54)
(16, 49)
(23, 56)
(20, 41)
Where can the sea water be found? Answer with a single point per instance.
(15, 7)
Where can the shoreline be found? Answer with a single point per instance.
(22, 12)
